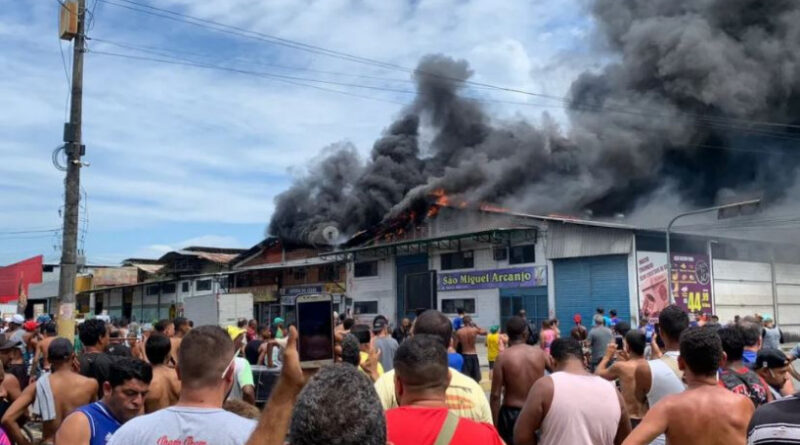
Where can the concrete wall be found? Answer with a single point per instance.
(487, 301)
(382, 288)
(742, 288)
(787, 287)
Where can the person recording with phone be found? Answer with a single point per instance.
(625, 361)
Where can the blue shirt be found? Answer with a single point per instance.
(749, 357)
(458, 323)
(102, 423)
(455, 361)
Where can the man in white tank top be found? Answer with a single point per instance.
(658, 378)
(572, 406)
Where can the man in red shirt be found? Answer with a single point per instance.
(421, 380)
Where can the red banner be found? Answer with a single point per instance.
(15, 278)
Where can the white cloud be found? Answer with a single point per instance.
(173, 144)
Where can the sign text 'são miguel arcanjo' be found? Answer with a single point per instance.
(493, 279)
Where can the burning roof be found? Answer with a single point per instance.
(693, 107)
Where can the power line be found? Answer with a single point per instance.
(299, 81)
(235, 30)
(230, 29)
(22, 232)
(166, 52)
(171, 51)
(258, 73)
(287, 79)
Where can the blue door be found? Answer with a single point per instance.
(584, 284)
(407, 265)
(532, 299)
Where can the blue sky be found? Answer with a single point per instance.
(182, 155)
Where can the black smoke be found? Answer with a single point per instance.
(689, 107)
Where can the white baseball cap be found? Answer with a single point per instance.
(17, 319)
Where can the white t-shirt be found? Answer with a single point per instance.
(243, 375)
(185, 425)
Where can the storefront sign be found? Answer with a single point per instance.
(691, 283)
(289, 300)
(298, 290)
(494, 279)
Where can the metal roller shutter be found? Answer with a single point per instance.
(583, 284)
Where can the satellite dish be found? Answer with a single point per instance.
(330, 234)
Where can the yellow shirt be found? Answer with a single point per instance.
(493, 346)
(364, 357)
(465, 397)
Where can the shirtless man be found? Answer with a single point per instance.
(704, 414)
(167, 329)
(138, 351)
(70, 390)
(624, 369)
(165, 388)
(466, 339)
(41, 348)
(180, 329)
(515, 371)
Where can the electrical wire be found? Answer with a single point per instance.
(280, 78)
(230, 29)
(69, 79)
(299, 81)
(171, 51)
(91, 12)
(22, 232)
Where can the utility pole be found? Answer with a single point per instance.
(74, 149)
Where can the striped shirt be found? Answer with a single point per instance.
(776, 423)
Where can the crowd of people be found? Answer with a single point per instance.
(677, 381)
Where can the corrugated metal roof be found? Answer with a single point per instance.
(573, 240)
(314, 261)
(219, 258)
(148, 268)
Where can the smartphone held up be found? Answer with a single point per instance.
(315, 330)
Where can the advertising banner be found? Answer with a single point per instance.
(494, 279)
(652, 274)
(691, 283)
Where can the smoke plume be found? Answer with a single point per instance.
(702, 100)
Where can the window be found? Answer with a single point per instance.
(452, 306)
(168, 288)
(500, 253)
(523, 254)
(366, 269)
(152, 290)
(299, 274)
(458, 260)
(365, 307)
(185, 287)
(202, 285)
